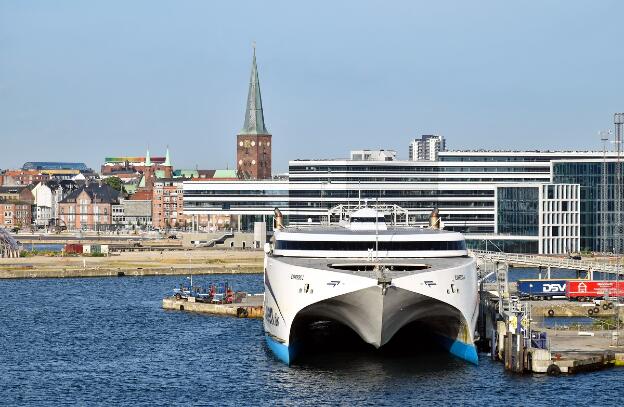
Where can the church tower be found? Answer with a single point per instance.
(148, 171)
(167, 167)
(253, 142)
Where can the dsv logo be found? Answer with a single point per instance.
(554, 288)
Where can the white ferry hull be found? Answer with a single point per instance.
(444, 300)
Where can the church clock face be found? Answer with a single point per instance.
(247, 144)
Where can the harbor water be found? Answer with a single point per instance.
(106, 341)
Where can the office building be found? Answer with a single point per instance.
(426, 148)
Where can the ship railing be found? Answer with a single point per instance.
(399, 216)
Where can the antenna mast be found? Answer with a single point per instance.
(618, 120)
(604, 195)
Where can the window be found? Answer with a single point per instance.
(365, 246)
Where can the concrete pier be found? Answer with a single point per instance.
(251, 307)
(563, 351)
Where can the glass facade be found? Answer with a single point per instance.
(596, 201)
(518, 211)
(504, 245)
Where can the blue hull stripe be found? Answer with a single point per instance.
(457, 348)
(467, 352)
(281, 351)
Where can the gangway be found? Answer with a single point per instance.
(534, 260)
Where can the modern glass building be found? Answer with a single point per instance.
(518, 211)
(46, 165)
(490, 196)
(597, 180)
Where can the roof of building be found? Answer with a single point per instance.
(254, 116)
(101, 193)
(225, 174)
(142, 195)
(132, 160)
(186, 173)
(50, 165)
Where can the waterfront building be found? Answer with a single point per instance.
(253, 142)
(597, 180)
(47, 196)
(168, 204)
(88, 207)
(133, 212)
(426, 148)
(474, 191)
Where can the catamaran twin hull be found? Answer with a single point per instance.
(438, 293)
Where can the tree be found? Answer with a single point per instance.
(115, 183)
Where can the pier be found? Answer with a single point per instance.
(511, 330)
(251, 306)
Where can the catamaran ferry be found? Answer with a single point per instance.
(373, 276)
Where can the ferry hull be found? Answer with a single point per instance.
(443, 302)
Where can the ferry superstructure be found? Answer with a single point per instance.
(373, 277)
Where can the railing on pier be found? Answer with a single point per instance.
(534, 260)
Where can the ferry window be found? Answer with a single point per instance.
(365, 246)
(363, 219)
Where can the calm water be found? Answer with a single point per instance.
(106, 341)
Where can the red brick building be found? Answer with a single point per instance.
(24, 177)
(253, 142)
(89, 207)
(168, 204)
(15, 213)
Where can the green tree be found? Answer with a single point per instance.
(115, 183)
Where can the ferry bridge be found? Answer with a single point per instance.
(545, 262)
(496, 264)
(8, 245)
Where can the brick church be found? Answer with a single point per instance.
(253, 142)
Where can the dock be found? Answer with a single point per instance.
(250, 307)
(515, 333)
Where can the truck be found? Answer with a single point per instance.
(546, 289)
(589, 290)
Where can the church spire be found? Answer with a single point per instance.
(167, 159)
(254, 117)
(148, 160)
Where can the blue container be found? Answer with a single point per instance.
(538, 289)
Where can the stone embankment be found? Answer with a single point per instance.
(136, 264)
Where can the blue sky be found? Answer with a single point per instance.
(81, 80)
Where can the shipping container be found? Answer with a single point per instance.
(73, 248)
(536, 289)
(586, 290)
